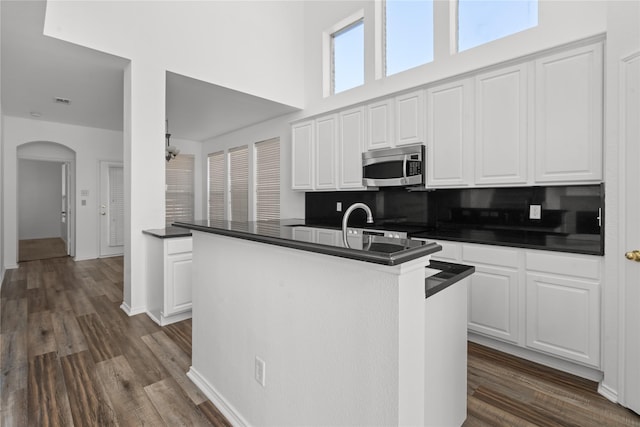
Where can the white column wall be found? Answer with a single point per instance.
(91, 145)
(144, 172)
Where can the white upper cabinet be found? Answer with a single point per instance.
(501, 126)
(302, 155)
(410, 118)
(380, 124)
(450, 134)
(568, 116)
(326, 142)
(350, 148)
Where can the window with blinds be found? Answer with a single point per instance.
(180, 192)
(216, 186)
(268, 179)
(239, 184)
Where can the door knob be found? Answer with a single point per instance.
(633, 255)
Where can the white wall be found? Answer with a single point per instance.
(39, 199)
(250, 46)
(90, 145)
(560, 22)
(291, 202)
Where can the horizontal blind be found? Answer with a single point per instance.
(216, 186)
(239, 183)
(268, 179)
(180, 192)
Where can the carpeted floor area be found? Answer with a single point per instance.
(34, 249)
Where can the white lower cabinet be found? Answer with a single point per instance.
(563, 308)
(494, 291)
(544, 301)
(169, 272)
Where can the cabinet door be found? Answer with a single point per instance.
(178, 284)
(493, 302)
(380, 124)
(325, 153)
(501, 126)
(302, 135)
(327, 237)
(410, 118)
(351, 145)
(569, 116)
(563, 317)
(304, 234)
(449, 134)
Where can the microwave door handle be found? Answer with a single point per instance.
(404, 168)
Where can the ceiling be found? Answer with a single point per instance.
(37, 69)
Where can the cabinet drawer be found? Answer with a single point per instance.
(490, 255)
(177, 246)
(449, 252)
(585, 266)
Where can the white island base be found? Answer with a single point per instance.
(344, 342)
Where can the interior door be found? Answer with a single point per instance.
(630, 132)
(111, 209)
(67, 219)
(64, 209)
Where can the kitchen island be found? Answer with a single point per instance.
(296, 332)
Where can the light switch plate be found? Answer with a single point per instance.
(535, 211)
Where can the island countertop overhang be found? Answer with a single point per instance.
(375, 249)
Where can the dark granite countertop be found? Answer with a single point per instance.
(374, 249)
(449, 274)
(168, 232)
(573, 243)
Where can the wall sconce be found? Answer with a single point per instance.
(171, 151)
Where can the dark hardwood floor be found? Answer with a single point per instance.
(35, 249)
(70, 356)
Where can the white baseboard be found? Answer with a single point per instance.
(608, 392)
(132, 311)
(537, 357)
(83, 258)
(232, 415)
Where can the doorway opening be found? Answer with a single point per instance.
(46, 211)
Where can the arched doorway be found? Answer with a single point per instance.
(45, 202)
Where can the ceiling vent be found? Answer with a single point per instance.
(64, 101)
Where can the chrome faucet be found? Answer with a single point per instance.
(345, 219)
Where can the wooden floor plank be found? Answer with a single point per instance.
(131, 403)
(69, 336)
(48, 402)
(13, 314)
(180, 333)
(175, 361)
(14, 411)
(174, 412)
(14, 365)
(89, 403)
(80, 303)
(212, 414)
(41, 337)
(101, 343)
(37, 300)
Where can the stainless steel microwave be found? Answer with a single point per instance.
(394, 167)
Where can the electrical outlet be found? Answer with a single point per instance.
(260, 369)
(535, 211)
(338, 206)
